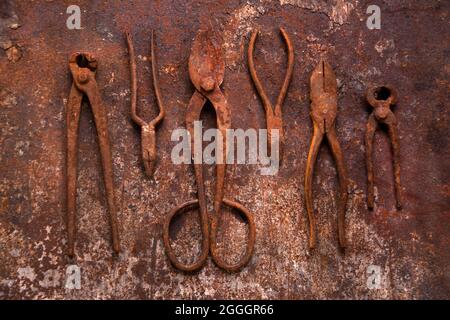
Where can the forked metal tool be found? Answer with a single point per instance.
(148, 130)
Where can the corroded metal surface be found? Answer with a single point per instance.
(410, 247)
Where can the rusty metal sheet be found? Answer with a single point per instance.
(407, 250)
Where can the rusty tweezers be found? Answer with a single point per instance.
(323, 114)
(83, 67)
(274, 119)
(148, 135)
(206, 70)
(381, 99)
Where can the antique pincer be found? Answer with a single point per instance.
(148, 134)
(206, 70)
(274, 119)
(83, 67)
(381, 99)
(323, 114)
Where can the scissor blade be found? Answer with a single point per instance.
(206, 59)
(323, 81)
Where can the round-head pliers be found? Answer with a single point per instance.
(206, 70)
(381, 99)
(83, 67)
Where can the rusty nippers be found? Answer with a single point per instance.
(83, 67)
(274, 119)
(206, 70)
(381, 99)
(148, 134)
(323, 114)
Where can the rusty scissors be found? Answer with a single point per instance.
(83, 67)
(206, 70)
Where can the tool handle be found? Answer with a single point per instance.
(370, 132)
(100, 118)
(393, 135)
(223, 119)
(288, 75)
(243, 261)
(133, 79)
(309, 174)
(201, 260)
(161, 114)
(73, 111)
(343, 183)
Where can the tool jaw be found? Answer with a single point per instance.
(323, 81)
(324, 112)
(206, 63)
(323, 96)
(83, 67)
(381, 99)
(385, 94)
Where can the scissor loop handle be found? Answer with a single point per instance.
(250, 244)
(208, 242)
(196, 265)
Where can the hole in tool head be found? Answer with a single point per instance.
(82, 61)
(382, 93)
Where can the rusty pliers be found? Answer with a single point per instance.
(83, 67)
(323, 114)
(148, 134)
(274, 118)
(381, 99)
(206, 70)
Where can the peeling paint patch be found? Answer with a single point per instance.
(383, 45)
(27, 273)
(239, 25)
(14, 53)
(338, 12)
